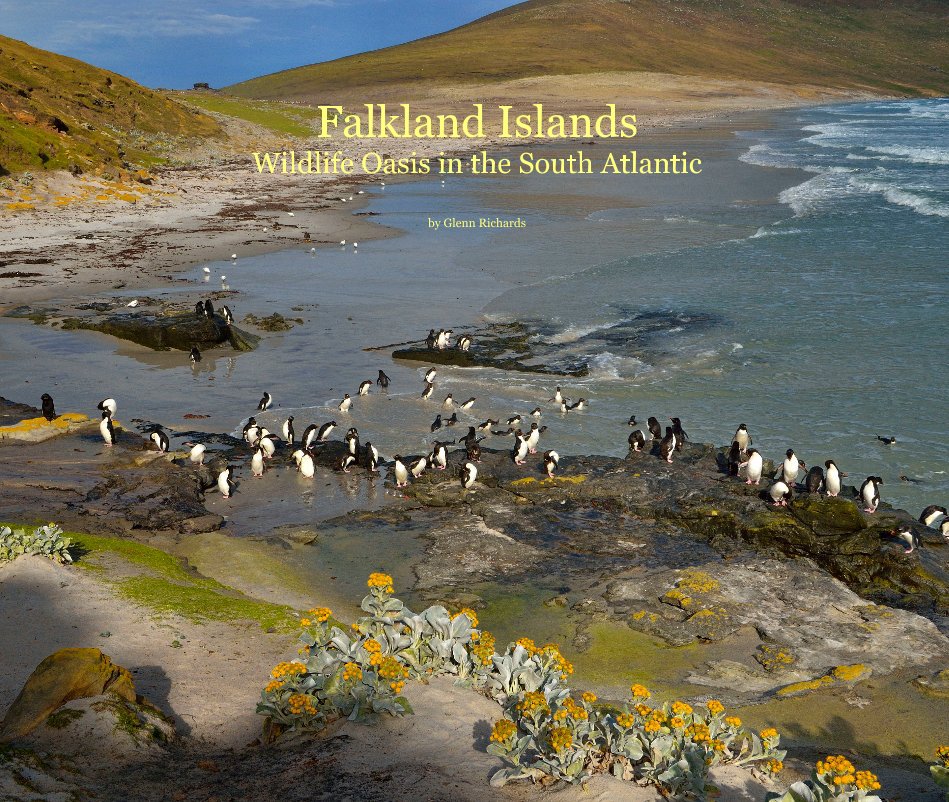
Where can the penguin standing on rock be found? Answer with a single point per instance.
(364, 387)
(304, 463)
(265, 402)
(832, 478)
(49, 408)
(790, 467)
(418, 467)
(309, 435)
(383, 380)
(196, 455)
(108, 405)
(742, 438)
(160, 439)
(637, 440)
(655, 430)
(906, 535)
(870, 493)
(430, 340)
(352, 440)
(931, 514)
(679, 432)
(780, 493)
(346, 463)
(519, 454)
(440, 456)
(814, 479)
(199, 308)
(734, 459)
(944, 528)
(473, 450)
(401, 472)
(106, 429)
(551, 460)
(372, 457)
(324, 433)
(209, 308)
(667, 445)
(533, 436)
(469, 473)
(753, 466)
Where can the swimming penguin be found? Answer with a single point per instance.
(324, 433)
(551, 459)
(383, 380)
(469, 472)
(532, 437)
(106, 429)
(667, 445)
(309, 435)
(506, 433)
(931, 514)
(654, 428)
(419, 466)
(632, 421)
(742, 438)
(209, 308)
(831, 478)
(225, 484)
(514, 420)
(345, 404)
(430, 375)
(780, 493)
(430, 340)
(452, 420)
(227, 315)
(907, 536)
(486, 425)
(352, 440)
(265, 402)
(257, 463)
(464, 343)
(304, 463)
(680, 434)
(346, 463)
(734, 459)
(558, 397)
(469, 403)
(887, 441)
(436, 424)
(195, 354)
(364, 387)
(577, 406)
(108, 405)
(160, 439)
(519, 454)
(753, 466)
(287, 431)
(49, 409)
(439, 456)
(814, 479)
(473, 450)
(449, 401)
(401, 472)
(637, 440)
(372, 457)
(564, 406)
(427, 392)
(536, 412)
(870, 493)
(196, 455)
(790, 467)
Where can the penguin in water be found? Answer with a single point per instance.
(430, 375)
(196, 455)
(436, 424)
(558, 397)
(578, 406)
(519, 454)
(209, 308)
(345, 404)
(49, 408)
(364, 387)
(108, 405)
(309, 435)
(680, 434)
(832, 478)
(636, 440)
(931, 514)
(449, 401)
(352, 440)
(304, 463)
(452, 420)
(533, 436)
(742, 438)
(485, 426)
(160, 439)
(195, 355)
(790, 467)
(506, 433)
(551, 460)
(887, 441)
(870, 493)
(324, 433)
(383, 380)
(734, 459)
(667, 445)
(814, 479)
(469, 473)
(427, 392)
(418, 467)
(106, 429)
(401, 472)
(225, 484)
(632, 421)
(346, 463)
(753, 466)
(514, 420)
(440, 456)
(780, 493)
(536, 412)
(257, 463)
(564, 406)
(287, 431)
(906, 535)
(372, 457)
(265, 402)
(655, 430)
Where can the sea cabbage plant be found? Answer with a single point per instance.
(940, 770)
(834, 779)
(45, 541)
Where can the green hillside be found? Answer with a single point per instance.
(60, 113)
(897, 46)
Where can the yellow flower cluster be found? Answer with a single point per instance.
(774, 766)
(643, 710)
(570, 709)
(375, 659)
(733, 721)
(483, 650)
(321, 614)
(282, 670)
(382, 582)
(676, 722)
(397, 686)
(562, 664)
(391, 669)
(942, 753)
(472, 616)
(305, 622)
(372, 646)
(625, 720)
(503, 730)
(351, 672)
(835, 764)
(769, 734)
(588, 697)
(867, 781)
(301, 703)
(652, 726)
(714, 707)
(681, 708)
(640, 691)
(528, 645)
(533, 702)
(273, 685)
(698, 732)
(841, 772)
(718, 746)
(560, 738)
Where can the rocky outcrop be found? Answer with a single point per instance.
(172, 330)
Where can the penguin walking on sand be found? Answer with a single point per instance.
(49, 408)
(304, 463)
(655, 430)
(160, 439)
(324, 432)
(267, 445)
(383, 380)
(364, 387)
(679, 432)
(832, 478)
(257, 463)
(345, 404)
(742, 438)
(196, 455)
(469, 473)
(636, 440)
(418, 467)
(790, 467)
(520, 451)
(551, 460)
(753, 465)
(225, 483)
(870, 493)
(265, 402)
(401, 472)
(814, 479)
(427, 391)
(195, 355)
(106, 429)
(108, 405)
(287, 431)
(734, 459)
(667, 445)
(372, 457)
(931, 514)
(780, 493)
(440, 456)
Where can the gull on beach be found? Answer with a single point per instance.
(223, 277)
(342, 242)
(312, 250)
(233, 256)
(289, 214)
(133, 303)
(207, 269)
(355, 244)
(360, 192)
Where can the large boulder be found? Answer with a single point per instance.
(180, 330)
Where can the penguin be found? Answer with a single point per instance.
(430, 375)
(440, 456)
(345, 404)
(224, 483)
(49, 408)
(870, 493)
(551, 459)
(753, 466)
(346, 463)
(106, 429)
(452, 420)
(469, 473)
(469, 403)
(401, 472)
(564, 406)
(473, 450)
(251, 422)
(427, 392)
(632, 421)
(654, 428)
(519, 454)
(680, 434)
(430, 340)
(257, 463)
(449, 401)
(372, 457)
(324, 433)
(209, 308)
(532, 437)
(267, 445)
(514, 420)
(931, 514)
(887, 441)
(196, 455)
(506, 433)
(486, 425)
(199, 308)
(436, 424)
(108, 405)
(734, 459)
(780, 493)
(304, 463)
(667, 445)
(160, 439)
(470, 437)
(383, 380)
(577, 406)
(536, 412)
(364, 387)
(907, 536)
(814, 479)
(790, 467)
(227, 315)
(637, 440)
(195, 354)
(352, 440)
(418, 467)
(742, 438)
(944, 528)
(265, 402)
(558, 397)
(252, 434)
(443, 340)
(309, 435)
(287, 431)
(464, 343)
(831, 478)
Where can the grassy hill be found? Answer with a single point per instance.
(60, 113)
(889, 46)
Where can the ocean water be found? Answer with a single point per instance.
(799, 285)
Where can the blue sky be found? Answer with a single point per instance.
(173, 43)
